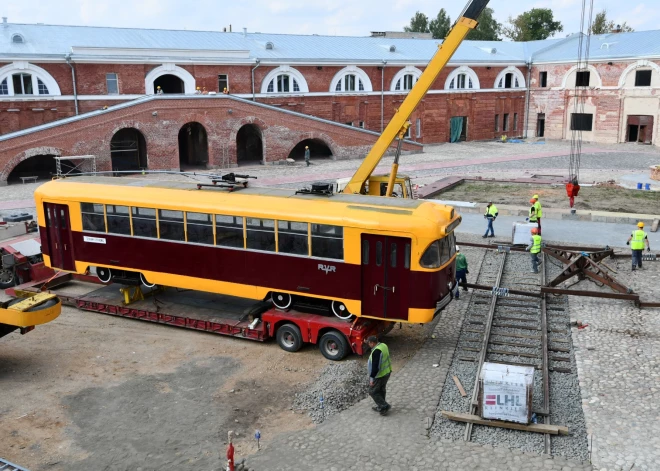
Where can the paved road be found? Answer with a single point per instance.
(559, 230)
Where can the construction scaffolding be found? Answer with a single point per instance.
(75, 164)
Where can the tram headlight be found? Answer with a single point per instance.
(450, 228)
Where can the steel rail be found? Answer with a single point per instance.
(484, 349)
(544, 364)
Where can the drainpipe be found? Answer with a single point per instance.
(382, 96)
(255, 67)
(73, 76)
(527, 98)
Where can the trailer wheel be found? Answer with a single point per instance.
(104, 274)
(145, 283)
(282, 300)
(333, 346)
(289, 338)
(339, 309)
(7, 278)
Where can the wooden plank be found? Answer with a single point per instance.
(475, 419)
(459, 386)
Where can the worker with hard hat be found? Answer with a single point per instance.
(159, 91)
(198, 91)
(534, 248)
(636, 242)
(461, 271)
(307, 155)
(535, 211)
(491, 215)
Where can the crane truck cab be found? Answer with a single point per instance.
(376, 185)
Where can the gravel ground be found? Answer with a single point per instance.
(340, 384)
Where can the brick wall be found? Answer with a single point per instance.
(221, 116)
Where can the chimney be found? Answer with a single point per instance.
(244, 32)
(4, 21)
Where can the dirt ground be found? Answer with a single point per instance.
(92, 391)
(607, 197)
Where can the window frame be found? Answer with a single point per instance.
(418, 128)
(582, 78)
(319, 235)
(108, 80)
(220, 80)
(543, 79)
(637, 77)
(23, 76)
(505, 122)
(93, 213)
(515, 121)
(580, 119)
(497, 123)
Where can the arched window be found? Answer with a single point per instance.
(510, 77)
(351, 79)
(23, 78)
(284, 79)
(350, 83)
(17, 39)
(283, 83)
(405, 79)
(178, 79)
(462, 78)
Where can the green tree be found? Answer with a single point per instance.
(419, 23)
(440, 25)
(488, 29)
(532, 25)
(601, 25)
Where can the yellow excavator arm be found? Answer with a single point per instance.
(399, 124)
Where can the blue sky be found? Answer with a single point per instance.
(326, 17)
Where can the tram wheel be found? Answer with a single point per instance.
(282, 300)
(145, 283)
(339, 309)
(104, 274)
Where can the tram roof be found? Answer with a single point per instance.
(264, 202)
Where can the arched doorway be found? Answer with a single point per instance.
(317, 150)
(249, 145)
(40, 166)
(193, 145)
(169, 84)
(128, 150)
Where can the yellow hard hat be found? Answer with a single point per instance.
(306, 147)
(535, 197)
(158, 86)
(640, 224)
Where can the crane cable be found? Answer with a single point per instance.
(579, 94)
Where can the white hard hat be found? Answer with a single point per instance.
(458, 249)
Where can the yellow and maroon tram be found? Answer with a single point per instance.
(383, 258)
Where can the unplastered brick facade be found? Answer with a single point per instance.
(159, 119)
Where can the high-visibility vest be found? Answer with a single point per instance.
(385, 366)
(491, 211)
(637, 242)
(532, 214)
(539, 210)
(536, 244)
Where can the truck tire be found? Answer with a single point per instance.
(7, 278)
(333, 345)
(289, 338)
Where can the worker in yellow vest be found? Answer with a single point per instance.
(636, 242)
(535, 211)
(491, 215)
(534, 249)
(379, 368)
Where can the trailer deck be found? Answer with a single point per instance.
(214, 313)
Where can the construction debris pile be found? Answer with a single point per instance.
(339, 386)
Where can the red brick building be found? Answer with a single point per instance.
(48, 73)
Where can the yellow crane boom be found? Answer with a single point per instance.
(399, 124)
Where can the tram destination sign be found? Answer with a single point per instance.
(506, 392)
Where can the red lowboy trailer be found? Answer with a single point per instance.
(218, 314)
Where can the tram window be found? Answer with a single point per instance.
(365, 252)
(379, 253)
(260, 234)
(229, 231)
(407, 259)
(92, 217)
(119, 219)
(200, 228)
(444, 251)
(171, 225)
(327, 241)
(431, 257)
(144, 222)
(292, 237)
(393, 255)
(451, 238)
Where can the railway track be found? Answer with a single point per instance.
(516, 330)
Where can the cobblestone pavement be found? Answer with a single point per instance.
(619, 369)
(360, 439)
